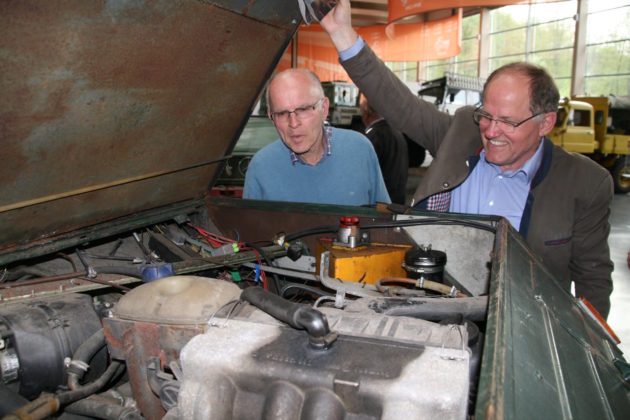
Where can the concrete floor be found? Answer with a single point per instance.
(619, 241)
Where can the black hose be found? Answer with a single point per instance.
(394, 224)
(97, 406)
(313, 231)
(131, 271)
(432, 221)
(82, 356)
(298, 316)
(89, 389)
(305, 288)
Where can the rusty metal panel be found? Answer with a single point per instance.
(115, 107)
(136, 343)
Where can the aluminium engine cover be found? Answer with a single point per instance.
(379, 367)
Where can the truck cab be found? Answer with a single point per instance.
(344, 104)
(597, 127)
(574, 130)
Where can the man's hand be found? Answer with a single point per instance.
(338, 24)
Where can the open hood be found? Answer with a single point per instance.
(123, 111)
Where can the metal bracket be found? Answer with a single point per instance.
(350, 288)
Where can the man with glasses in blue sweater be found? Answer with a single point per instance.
(311, 162)
(496, 159)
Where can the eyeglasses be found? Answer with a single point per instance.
(484, 119)
(300, 113)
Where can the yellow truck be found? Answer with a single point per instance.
(600, 128)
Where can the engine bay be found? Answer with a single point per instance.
(179, 321)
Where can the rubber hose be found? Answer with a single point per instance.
(99, 407)
(89, 389)
(426, 284)
(84, 353)
(305, 288)
(131, 271)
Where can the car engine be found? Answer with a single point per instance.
(280, 339)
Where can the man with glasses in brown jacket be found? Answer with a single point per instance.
(495, 159)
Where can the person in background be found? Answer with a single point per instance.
(391, 149)
(496, 159)
(311, 162)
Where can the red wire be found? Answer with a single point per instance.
(217, 241)
(214, 239)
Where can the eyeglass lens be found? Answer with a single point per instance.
(300, 112)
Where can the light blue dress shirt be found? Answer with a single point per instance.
(488, 190)
(350, 52)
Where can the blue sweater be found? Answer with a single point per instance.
(350, 175)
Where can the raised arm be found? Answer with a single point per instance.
(338, 24)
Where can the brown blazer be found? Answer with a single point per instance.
(565, 220)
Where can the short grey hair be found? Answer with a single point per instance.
(543, 92)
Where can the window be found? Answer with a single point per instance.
(580, 118)
(561, 115)
(407, 71)
(466, 62)
(541, 34)
(608, 48)
(544, 34)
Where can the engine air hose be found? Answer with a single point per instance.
(298, 316)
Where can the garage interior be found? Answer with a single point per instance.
(127, 289)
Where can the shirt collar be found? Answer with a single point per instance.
(327, 135)
(529, 168)
(372, 124)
